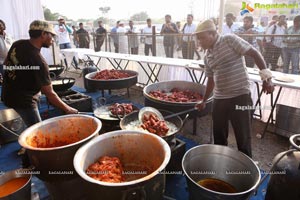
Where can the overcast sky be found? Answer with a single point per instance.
(126, 8)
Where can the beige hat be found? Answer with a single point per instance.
(207, 25)
(42, 26)
(60, 17)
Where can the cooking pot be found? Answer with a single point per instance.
(62, 84)
(285, 174)
(221, 163)
(112, 83)
(175, 107)
(168, 138)
(24, 191)
(55, 70)
(51, 144)
(133, 148)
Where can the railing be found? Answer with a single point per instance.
(280, 54)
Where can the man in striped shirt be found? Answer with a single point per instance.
(229, 81)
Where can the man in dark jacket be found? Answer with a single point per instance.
(83, 37)
(100, 36)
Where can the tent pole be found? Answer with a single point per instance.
(221, 16)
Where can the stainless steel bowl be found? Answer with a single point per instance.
(175, 107)
(56, 163)
(112, 83)
(132, 148)
(23, 192)
(167, 86)
(168, 138)
(223, 163)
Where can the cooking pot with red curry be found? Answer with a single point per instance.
(135, 159)
(52, 144)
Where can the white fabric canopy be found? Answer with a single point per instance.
(18, 15)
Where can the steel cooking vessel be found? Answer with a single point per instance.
(62, 84)
(168, 138)
(56, 163)
(132, 148)
(175, 107)
(55, 70)
(223, 163)
(23, 192)
(112, 83)
(285, 177)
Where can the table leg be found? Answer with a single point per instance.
(158, 71)
(194, 125)
(113, 64)
(194, 79)
(258, 102)
(272, 117)
(272, 110)
(201, 79)
(152, 73)
(118, 64)
(98, 62)
(125, 67)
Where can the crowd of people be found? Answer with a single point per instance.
(278, 42)
(275, 45)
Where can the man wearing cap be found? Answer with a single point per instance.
(62, 33)
(26, 74)
(228, 80)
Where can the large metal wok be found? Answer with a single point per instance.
(168, 138)
(62, 84)
(113, 83)
(55, 70)
(175, 107)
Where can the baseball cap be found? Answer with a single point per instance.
(207, 25)
(60, 17)
(42, 26)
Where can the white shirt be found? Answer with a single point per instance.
(280, 30)
(123, 40)
(148, 37)
(3, 49)
(189, 29)
(62, 34)
(133, 39)
(229, 30)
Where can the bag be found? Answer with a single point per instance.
(270, 44)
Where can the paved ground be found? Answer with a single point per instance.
(263, 150)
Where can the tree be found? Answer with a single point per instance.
(104, 10)
(232, 8)
(103, 19)
(49, 16)
(142, 16)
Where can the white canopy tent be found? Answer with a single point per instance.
(18, 15)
